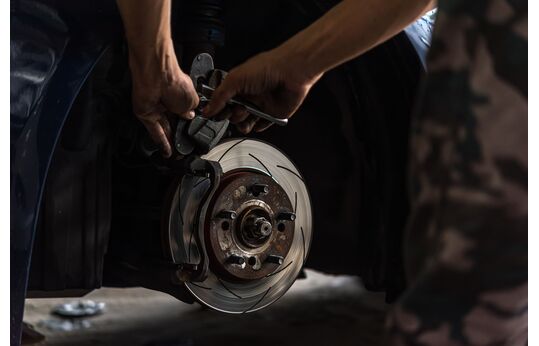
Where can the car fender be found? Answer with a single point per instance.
(49, 64)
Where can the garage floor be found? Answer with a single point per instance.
(320, 310)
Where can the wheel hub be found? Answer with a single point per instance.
(247, 247)
(251, 229)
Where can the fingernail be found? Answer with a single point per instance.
(191, 114)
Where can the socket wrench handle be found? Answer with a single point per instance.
(207, 91)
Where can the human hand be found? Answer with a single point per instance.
(159, 89)
(269, 80)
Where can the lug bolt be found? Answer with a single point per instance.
(258, 189)
(227, 214)
(287, 215)
(275, 259)
(235, 259)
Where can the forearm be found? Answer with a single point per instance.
(147, 29)
(348, 30)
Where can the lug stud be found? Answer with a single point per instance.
(227, 214)
(287, 215)
(259, 189)
(235, 259)
(275, 259)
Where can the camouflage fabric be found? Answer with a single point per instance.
(466, 245)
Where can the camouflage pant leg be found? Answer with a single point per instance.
(466, 245)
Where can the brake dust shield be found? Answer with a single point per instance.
(255, 226)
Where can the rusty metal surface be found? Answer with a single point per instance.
(237, 236)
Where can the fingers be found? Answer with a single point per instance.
(159, 130)
(239, 114)
(247, 125)
(224, 114)
(242, 118)
(262, 125)
(227, 90)
(180, 97)
(255, 124)
(181, 105)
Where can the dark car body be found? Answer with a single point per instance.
(64, 156)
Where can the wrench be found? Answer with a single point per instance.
(206, 89)
(202, 70)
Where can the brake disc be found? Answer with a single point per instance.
(256, 226)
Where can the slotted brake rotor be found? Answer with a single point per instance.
(257, 227)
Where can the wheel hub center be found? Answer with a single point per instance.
(247, 235)
(254, 228)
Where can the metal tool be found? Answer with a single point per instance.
(206, 79)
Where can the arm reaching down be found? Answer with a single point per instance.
(159, 85)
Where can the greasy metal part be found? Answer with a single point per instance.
(222, 292)
(275, 259)
(228, 214)
(251, 234)
(184, 272)
(182, 144)
(206, 133)
(198, 135)
(259, 189)
(255, 230)
(260, 227)
(184, 238)
(255, 214)
(181, 221)
(215, 78)
(202, 65)
(235, 259)
(213, 172)
(287, 215)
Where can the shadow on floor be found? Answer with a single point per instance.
(320, 310)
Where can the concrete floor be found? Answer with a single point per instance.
(320, 310)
